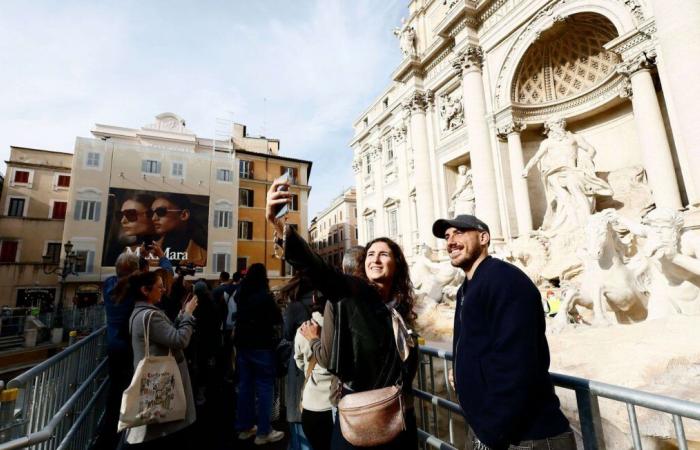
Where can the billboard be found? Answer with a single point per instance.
(176, 222)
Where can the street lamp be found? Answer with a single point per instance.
(70, 262)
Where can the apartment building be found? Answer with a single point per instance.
(334, 229)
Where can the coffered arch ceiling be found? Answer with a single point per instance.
(566, 60)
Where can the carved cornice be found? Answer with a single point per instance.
(470, 58)
(643, 61)
(514, 126)
(418, 101)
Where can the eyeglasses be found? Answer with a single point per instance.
(132, 215)
(162, 211)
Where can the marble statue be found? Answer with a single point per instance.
(670, 273)
(606, 282)
(451, 111)
(565, 161)
(432, 281)
(462, 199)
(407, 39)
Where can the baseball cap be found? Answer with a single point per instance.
(461, 222)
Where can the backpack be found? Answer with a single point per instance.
(231, 307)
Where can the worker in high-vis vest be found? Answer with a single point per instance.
(553, 303)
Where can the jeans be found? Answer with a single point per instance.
(256, 371)
(564, 441)
(297, 438)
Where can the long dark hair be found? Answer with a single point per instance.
(130, 287)
(401, 285)
(298, 285)
(255, 280)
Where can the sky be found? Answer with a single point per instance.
(301, 71)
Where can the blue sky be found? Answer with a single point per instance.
(67, 65)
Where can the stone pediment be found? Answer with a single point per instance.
(168, 122)
(368, 212)
(390, 202)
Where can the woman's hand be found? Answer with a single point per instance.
(191, 305)
(275, 199)
(310, 330)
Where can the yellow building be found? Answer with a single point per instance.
(34, 202)
(203, 201)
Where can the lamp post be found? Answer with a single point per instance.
(62, 270)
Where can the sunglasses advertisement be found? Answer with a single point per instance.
(175, 222)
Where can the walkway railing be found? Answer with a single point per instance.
(587, 394)
(57, 404)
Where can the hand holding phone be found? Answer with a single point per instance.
(284, 209)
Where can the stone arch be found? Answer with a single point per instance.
(616, 11)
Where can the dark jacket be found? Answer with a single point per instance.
(364, 354)
(502, 358)
(258, 321)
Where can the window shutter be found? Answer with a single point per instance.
(250, 167)
(251, 198)
(158, 166)
(144, 166)
(90, 260)
(97, 211)
(78, 209)
(228, 263)
(229, 219)
(216, 219)
(250, 230)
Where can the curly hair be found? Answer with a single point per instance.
(401, 284)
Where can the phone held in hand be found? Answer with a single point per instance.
(283, 209)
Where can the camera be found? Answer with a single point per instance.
(185, 270)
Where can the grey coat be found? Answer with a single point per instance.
(163, 336)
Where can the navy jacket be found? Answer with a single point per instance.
(501, 358)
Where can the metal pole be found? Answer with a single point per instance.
(634, 426)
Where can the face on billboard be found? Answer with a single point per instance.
(176, 222)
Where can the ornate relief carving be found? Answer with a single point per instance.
(398, 133)
(451, 111)
(356, 165)
(375, 151)
(449, 3)
(169, 122)
(635, 8)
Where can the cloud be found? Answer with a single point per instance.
(316, 63)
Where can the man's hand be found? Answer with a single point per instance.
(310, 330)
(275, 199)
(156, 250)
(451, 378)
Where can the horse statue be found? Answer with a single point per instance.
(605, 280)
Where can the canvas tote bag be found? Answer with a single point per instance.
(156, 394)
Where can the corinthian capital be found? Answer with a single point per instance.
(375, 151)
(418, 101)
(515, 126)
(643, 61)
(470, 58)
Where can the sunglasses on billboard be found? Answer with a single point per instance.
(162, 211)
(132, 215)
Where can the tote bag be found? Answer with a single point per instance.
(156, 394)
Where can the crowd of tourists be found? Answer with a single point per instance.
(342, 341)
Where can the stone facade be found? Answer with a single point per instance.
(334, 229)
(601, 65)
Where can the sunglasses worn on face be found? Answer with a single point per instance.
(132, 215)
(162, 211)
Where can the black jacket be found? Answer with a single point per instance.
(502, 358)
(364, 354)
(258, 321)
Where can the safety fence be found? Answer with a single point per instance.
(435, 410)
(59, 403)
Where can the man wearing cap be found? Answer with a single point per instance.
(501, 356)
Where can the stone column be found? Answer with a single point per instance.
(656, 151)
(378, 172)
(359, 197)
(468, 65)
(521, 198)
(416, 106)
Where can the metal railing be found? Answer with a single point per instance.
(587, 394)
(58, 404)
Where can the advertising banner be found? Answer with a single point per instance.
(137, 219)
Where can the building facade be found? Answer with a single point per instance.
(202, 201)
(334, 229)
(34, 201)
(479, 80)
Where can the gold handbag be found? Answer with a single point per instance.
(373, 417)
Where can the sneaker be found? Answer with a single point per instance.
(247, 434)
(272, 436)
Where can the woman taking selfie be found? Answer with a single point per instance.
(164, 337)
(365, 330)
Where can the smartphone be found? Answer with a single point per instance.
(284, 209)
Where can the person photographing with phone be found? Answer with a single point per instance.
(374, 354)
